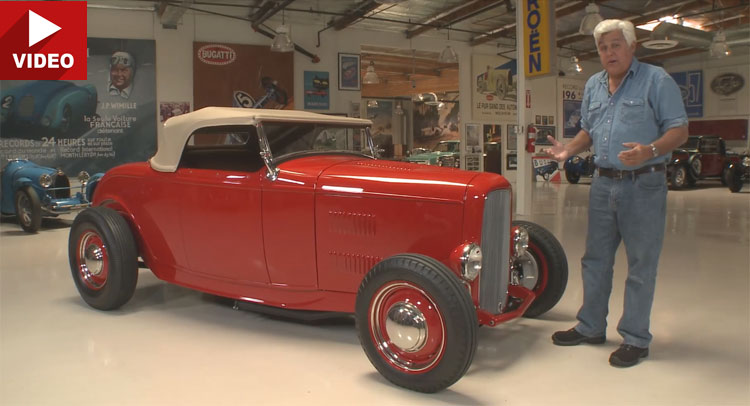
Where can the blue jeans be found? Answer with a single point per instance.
(633, 211)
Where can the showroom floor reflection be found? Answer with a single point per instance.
(171, 345)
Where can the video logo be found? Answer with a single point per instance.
(41, 40)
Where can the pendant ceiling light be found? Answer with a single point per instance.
(719, 47)
(282, 42)
(590, 20)
(448, 55)
(371, 77)
(575, 67)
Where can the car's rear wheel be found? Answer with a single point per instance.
(725, 174)
(734, 179)
(544, 268)
(696, 166)
(416, 322)
(103, 258)
(28, 209)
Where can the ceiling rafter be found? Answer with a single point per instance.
(267, 10)
(453, 15)
(505, 30)
(354, 15)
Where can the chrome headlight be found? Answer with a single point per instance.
(45, 180)
(83, 177)
(471, 262)
(520, 241)
(746, 161)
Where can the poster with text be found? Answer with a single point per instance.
(493, 88)
(92, 124)
(572, 93)
(238, 75)
(316, 91)
(691, 88)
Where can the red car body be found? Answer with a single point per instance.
(422, 255)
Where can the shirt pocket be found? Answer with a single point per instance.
(633, 110)
(594, 112)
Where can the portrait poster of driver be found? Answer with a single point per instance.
(93, 124)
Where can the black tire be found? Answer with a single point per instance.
(725, 174)
(442, 351)
(573, 177)
(545, 268)
(734, 179)
(680, 177)
(28, 209)
(103, 258)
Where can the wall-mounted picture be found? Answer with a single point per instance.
(512, 143)
(348, 71)
(541, 135)
(492, 132)
(544, 120)
(511, 162)
(538, 120)
(571, 117)
(316, 90)
(551, 120)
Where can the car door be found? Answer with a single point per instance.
(220, 214)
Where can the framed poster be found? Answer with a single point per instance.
(348, 71)
(511, 161)
(512, 142)
(316, 90)
(473, 139)
(541, 134)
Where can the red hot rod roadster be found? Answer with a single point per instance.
(293, 210)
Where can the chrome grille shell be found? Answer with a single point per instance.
(496, 222)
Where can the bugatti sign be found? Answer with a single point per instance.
(539, 37)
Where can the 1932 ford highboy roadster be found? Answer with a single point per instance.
(292, 210)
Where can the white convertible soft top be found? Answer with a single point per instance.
(177, 130)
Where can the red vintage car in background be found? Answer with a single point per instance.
(700, 157)
(292, 210)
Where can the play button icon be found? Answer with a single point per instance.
(40, 28)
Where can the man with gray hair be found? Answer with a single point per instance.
(633, 115)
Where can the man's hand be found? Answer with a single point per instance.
(636, 155)
(557, 150)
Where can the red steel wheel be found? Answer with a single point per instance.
(103, 258)
(544, 268)
(407, 327)
(416, 322)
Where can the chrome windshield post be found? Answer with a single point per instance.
(370, 142)
(265, 153)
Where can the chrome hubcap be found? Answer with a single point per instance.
(406, 327)
(92, 260)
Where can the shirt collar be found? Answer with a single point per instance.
(635, 66)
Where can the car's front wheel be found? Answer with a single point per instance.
(544, 268)
(28, 209)
(416, 322)
(679, 178)
(103, 258)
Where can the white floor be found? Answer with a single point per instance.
(173, 346)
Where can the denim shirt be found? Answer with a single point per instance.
(646, 105)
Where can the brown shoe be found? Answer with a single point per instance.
(627, 356)
(573, 337)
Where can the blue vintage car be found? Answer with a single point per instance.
(47, 104)
(577, 166)
(31, 191)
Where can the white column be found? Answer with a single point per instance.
(523, 173)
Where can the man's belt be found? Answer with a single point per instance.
(618, 174)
